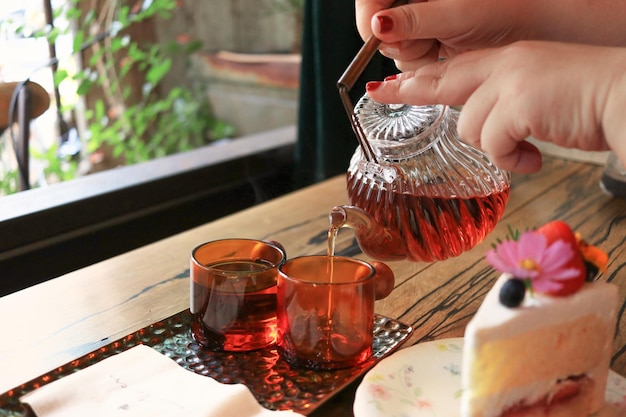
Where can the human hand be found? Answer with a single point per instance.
(425, 30)
(571, 95)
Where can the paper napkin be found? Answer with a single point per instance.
(142, 382)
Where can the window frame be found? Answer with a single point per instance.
(48, 231)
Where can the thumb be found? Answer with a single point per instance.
(421, 20)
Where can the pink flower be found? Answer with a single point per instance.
(531, 258)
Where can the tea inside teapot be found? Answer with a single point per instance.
(427, 196)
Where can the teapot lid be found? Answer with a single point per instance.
(397, 123)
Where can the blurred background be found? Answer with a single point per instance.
(130, 81)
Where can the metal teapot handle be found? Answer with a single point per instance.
(347, 80)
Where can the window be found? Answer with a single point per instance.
(68, 225)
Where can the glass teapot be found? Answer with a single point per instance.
(423, 195)
(416, 191)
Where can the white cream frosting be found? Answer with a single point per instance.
(591, 310)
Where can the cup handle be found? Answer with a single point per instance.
(276, 243)
(384, 280)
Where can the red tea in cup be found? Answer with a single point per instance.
(233, 294)
(326, 311)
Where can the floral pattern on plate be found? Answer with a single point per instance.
(424, 380)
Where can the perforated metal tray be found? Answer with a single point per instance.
(274, 383)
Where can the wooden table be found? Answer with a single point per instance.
(55, 322)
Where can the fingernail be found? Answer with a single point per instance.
(373, 85)
(386, 24)
(391, 77)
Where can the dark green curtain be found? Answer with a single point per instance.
(329, 43)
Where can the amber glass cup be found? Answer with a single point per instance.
(326, 310)
(233, 294)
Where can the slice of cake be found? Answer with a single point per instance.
(541, 342)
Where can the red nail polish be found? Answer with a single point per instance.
(391, 77)
(373, 85)
(386, 24)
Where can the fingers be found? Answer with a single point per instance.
(412, 54)
(523, 157)
(421, 20)
(487, 120)
(365, 9)
(492, 127)
(409, 33)
(449, 82)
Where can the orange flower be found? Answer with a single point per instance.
(592, 254)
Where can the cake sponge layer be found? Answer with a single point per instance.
(516, 357)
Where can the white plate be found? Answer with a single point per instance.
(424, 380)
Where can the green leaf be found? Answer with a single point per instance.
(78, 41)
(59, 76)
(123, 16)
(52, 35)
(89, 17)
(97, 55)
(84, 87)
(117, 44)
(156, 73)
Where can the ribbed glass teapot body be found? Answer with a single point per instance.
(434, 196)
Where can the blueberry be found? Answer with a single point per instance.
(512, 292)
